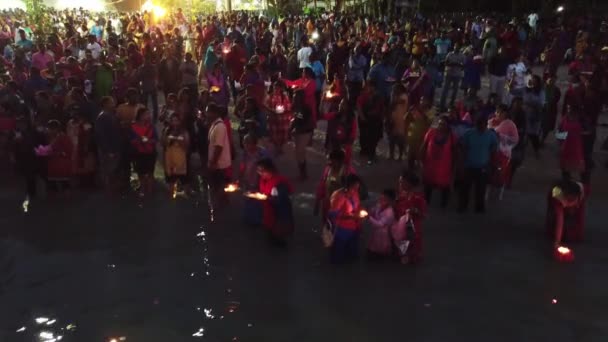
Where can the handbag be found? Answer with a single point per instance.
(328, 232)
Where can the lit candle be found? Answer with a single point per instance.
(564, 254)
(280, 109)
(226, 50)
(363, 214)
(231, 187)
(329, 94)
(215, 89)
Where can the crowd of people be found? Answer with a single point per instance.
(81, 95)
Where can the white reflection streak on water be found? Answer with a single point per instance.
(22, 329)
(208, 313)
(199, 333)
(41, 320)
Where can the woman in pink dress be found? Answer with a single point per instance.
(570, 135)
(381, 219)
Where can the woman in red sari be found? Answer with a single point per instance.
(279, 118)
(566, 212)
(309, 85)
(143, 143)
(332, 179)
(410, 210)
(508, 138)
(437, 157)
(277, 217)
(570, 135)
(59, 162)
(342, 130)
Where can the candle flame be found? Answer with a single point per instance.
(231, 188)
(363, 214)
(329, 94)
(256, 195)
(563, 250)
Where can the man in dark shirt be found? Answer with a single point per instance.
(109, 143)
(497, 68)
(147, 76)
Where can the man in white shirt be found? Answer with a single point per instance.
(304, 54)
(517, 80)
(532, 20)
(94, 46)
(219, 159)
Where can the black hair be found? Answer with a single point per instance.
(106, 99)
(390, 194)
(410, 177)
(569, 187)
(502, 108)
(140, 112)
(54, 124)
(267, 164)
(351, 180)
